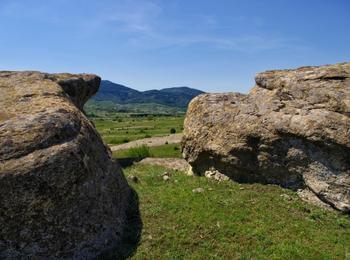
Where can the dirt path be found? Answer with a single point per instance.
(152, 141)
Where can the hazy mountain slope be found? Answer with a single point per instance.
(178, 96)
(117, 93)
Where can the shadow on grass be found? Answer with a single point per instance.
(132, 233)
(126, 162)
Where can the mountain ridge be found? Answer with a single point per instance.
(121, 94)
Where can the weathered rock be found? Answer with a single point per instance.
(216, 175)
(291, 129)
(61, 194)
(310, 197)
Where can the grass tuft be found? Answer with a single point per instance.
(163, 151)
(141, 151)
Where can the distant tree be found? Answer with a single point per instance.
(172, 130)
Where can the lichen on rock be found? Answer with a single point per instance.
(291, 129)
(61, 193)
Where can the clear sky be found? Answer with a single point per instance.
(213, 45)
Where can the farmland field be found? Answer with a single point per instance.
(123, 128)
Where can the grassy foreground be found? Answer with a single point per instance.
(230, 221)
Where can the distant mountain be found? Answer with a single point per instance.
(119, 94)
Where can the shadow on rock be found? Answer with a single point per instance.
(132, 233)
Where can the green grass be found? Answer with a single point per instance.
(166, 151)
(121, 128)
(141, 151)
(163, 151)
(230, 221)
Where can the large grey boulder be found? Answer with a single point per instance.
(291, 129)
(61, 193)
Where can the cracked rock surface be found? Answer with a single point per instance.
(291, 129)
(61, 193)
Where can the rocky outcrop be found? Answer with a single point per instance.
(61, 194)
(291, 129)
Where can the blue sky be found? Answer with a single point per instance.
(213, 45)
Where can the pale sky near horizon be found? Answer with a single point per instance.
(212, 45)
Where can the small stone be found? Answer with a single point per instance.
(216, 175)
(166, 178)
(165, 174)
(189, 172)
(285, 196)
(198, 190)
(133, 178)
